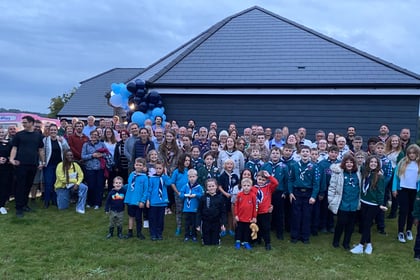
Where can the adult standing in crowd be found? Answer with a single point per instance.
(54, 146)
(93, 154)
(142, 146)
(405, 138)
(129, 144)
(76, 141)
(121, 161)
(11, 132)
(90, 125)
(6, 175)
(27, 154)
(383, 133)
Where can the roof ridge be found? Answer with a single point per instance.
(111, 70)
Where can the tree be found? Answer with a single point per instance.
(57, 103)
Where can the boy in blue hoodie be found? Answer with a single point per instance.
(157, 200)
(191, 193)
(135, 197)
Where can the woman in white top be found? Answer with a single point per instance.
(110, 143)
(405, 186)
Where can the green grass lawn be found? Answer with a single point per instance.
(49, 244)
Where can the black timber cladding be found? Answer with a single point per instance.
(329, 113)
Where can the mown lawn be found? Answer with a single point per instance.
(49, 244)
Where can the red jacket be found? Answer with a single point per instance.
(246, 206)
(263, 194)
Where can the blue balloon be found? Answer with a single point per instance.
(124, 92)
(139, 118)
(116, 100)
(163, 117)
(116, 88)
(157, 112)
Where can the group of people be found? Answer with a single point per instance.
(218, 182)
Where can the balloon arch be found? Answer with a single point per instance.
(138, 103)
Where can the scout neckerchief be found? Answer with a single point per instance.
(189, 198)
(302, 170)
(133, 181)
(366, 184)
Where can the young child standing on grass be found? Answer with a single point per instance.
(157, 200)
(114, 207)
(227, 182)
(372, 200)
(264, 191)
(190, 193)
(135, 197)
(212, 214)
(245, 214)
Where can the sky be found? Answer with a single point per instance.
(49, 47)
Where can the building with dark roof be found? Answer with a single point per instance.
(258, 67)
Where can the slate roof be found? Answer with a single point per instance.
(89, 99)
(259, 48)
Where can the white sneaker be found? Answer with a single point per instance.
(3, 211)
(401, 237)
(146, 224)
(358, 249)
(409, 234)
(368, 249)
(96, 207)
(80, 211)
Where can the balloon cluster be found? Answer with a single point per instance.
(139, 103)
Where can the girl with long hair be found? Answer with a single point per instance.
(405, 186)
(372, 199)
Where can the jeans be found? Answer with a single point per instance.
(63, 197)
(49, 180)
(95, 180)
